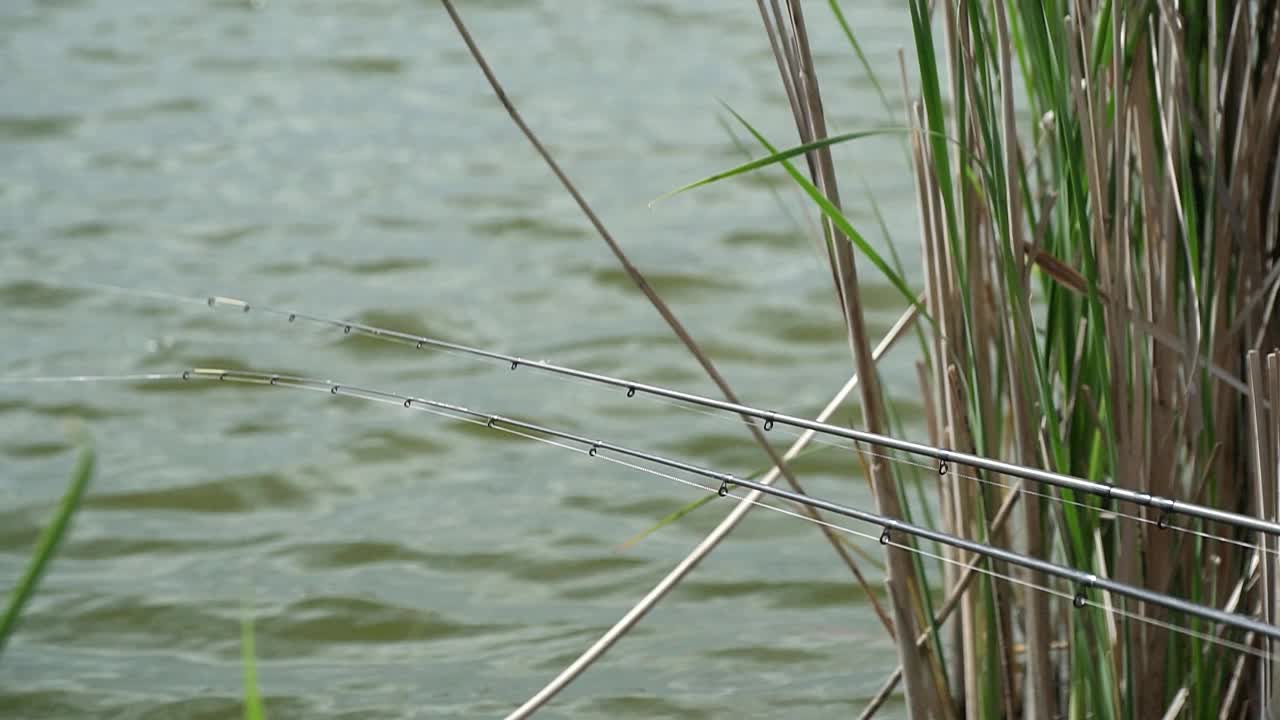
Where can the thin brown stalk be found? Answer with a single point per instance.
(643, 284)
(900, 579)
(1036, 603)
(1264, 491)
(954, 596)
(972, 623)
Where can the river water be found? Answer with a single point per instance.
(346, 158)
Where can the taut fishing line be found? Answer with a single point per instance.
(1107, 491)
(1167, 506)
(728, 482)
(59, 379)
(1164, 523)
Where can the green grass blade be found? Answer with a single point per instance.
(668, 520)
(777, 157)
(685, 510)
(841, 222)
(253, 709)
(49, 541)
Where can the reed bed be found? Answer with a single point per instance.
(1098, 187)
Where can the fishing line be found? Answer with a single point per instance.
(1161, 524)
(670, 398)
(854, 446)
(683, 400)
(120, 290)
(137, 377)
(544, 440)
(729, 482)
(858, 447)
(978, 567)
(151, 294)
(1167, 506)
(537, 432)
(1172, 627)
(1077, 602)
(770, 418)
(1083, 580)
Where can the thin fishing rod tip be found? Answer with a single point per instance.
(219, 300)
(1084, 582)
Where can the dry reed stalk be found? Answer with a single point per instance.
(643, 285)
(1262, 459)
(788, 31)
(953, 600)
(953, 519)
(1036, 603)
(972, 623)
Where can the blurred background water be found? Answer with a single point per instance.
(347, 158)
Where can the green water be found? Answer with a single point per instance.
(346, 158)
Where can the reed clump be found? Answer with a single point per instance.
(1098, 186)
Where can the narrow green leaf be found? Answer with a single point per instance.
(777, 157)
(841, 222)
(664, 522)
(253, 709)
(687, 509)
(49, 541)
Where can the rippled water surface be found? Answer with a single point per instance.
(346, 158)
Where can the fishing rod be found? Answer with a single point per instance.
(727, 483)
(1083, 581)
(1108, 491)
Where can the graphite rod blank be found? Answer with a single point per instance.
(1107, 491)
(1082, 580)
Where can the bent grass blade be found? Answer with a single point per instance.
(50, 539)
